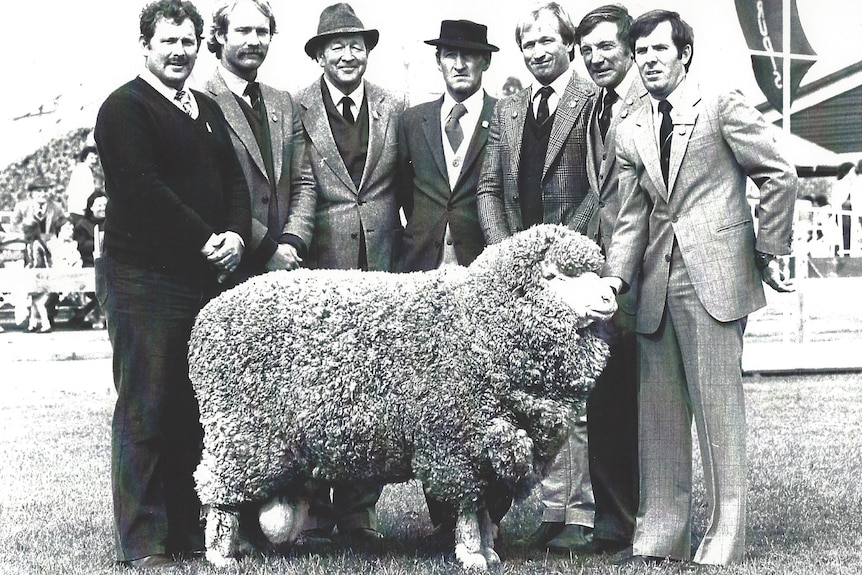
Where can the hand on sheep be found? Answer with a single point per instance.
(284, 258)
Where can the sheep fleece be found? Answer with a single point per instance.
(456, 377)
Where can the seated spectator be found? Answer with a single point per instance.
(85, 236)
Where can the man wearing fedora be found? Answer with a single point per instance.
(351, 127)
(535, 172)
(441, 145)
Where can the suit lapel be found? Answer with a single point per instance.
(594, 151)
(517, 110)
(276, 135)
(378, 122)
(684, 119)
(434, 136)
(570, 106)
(647, 146)
(317, 125)
(236, 119)
(480, 137)
(631, 103)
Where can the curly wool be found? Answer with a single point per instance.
(456, 377)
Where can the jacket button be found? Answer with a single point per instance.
(601, 204)
(515, 198)
(354, 236)
(667, 258)
(265, 199)
(675, 219)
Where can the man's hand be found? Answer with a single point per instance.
(775, 276)
(224, 252)
(284, 258)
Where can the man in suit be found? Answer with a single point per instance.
(177, 219)
(351, 127)
(441, 145)
(612, 406)
(686, 224)
(38, 218)
(535, 172)
(267, 136)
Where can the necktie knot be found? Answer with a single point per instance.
(252, 90)
(183, 97)
(453, 126)
(543, 110)
(664, 107)
(347, 109)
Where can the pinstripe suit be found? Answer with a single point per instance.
(564, 177)
(343, 211)
(695, 243)
(566, 493)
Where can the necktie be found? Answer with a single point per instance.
(184, 99)
(607, 111)
(346, 111)
(252, 90)
(542, 112)
(664, 136)
(453, 126)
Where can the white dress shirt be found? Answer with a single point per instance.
(356, 95)
(558, 85)
(455, 160)
(170, 93)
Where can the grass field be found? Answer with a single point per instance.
(805, 503)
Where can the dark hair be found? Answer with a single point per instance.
(221, 19)
(91, 199)
(176, 11)
(564, 24)
(614, 13)
(681, 32)
(82, 155)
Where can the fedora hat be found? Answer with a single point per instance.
(337, 20)
(463, 34)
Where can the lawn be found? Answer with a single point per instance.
(805, 502)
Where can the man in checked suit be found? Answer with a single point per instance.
(441, 145)
(612, 406)
(267, 136)
(685, 222)
(351, 128)
(535, 172)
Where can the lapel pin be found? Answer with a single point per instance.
(210, 130)
(624, 113)
(485, 123)
(375, 114)
(274, 117)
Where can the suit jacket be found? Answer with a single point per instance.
(26, 214)
(294, 185)
(602, 204)
(718, 142)
(344, 212)
(430, 203)
(564, 178)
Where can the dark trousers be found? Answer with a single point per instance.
(612, 431)
(156, 432)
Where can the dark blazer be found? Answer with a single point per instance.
(564, 177)
(294, 184)
(429, 201)
(343, 212)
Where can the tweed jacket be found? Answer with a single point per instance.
(26, 214)
(294, 186)
(564, 178)
(718, 142)
(343, 212)
(430, 203)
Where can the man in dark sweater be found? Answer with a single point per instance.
(534, 173)
(176, 224)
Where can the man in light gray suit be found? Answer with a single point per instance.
(534, 173)
(351, 127)
(267, 136)
(685, 224)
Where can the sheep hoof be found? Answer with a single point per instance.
(471, 561)
(217, 559)
(494, 562)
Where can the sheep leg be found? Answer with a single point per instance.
(468, 542)
(221, 535)
(487, 531)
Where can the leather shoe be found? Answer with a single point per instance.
(151, 562)
(546, 531)
(572, 539)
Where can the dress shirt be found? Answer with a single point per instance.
(169, 92)
(235, 84)
(455, 160)
(356, 95)
(558, 85)
(674, 99)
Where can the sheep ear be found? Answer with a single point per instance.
(549, 270)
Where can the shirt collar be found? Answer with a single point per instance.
(356, 95)
(162, 89)
(559, 85)
(674, 98)
(625, 85)
(234, 83)
(473, 104)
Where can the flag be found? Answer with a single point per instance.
(762, 27)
